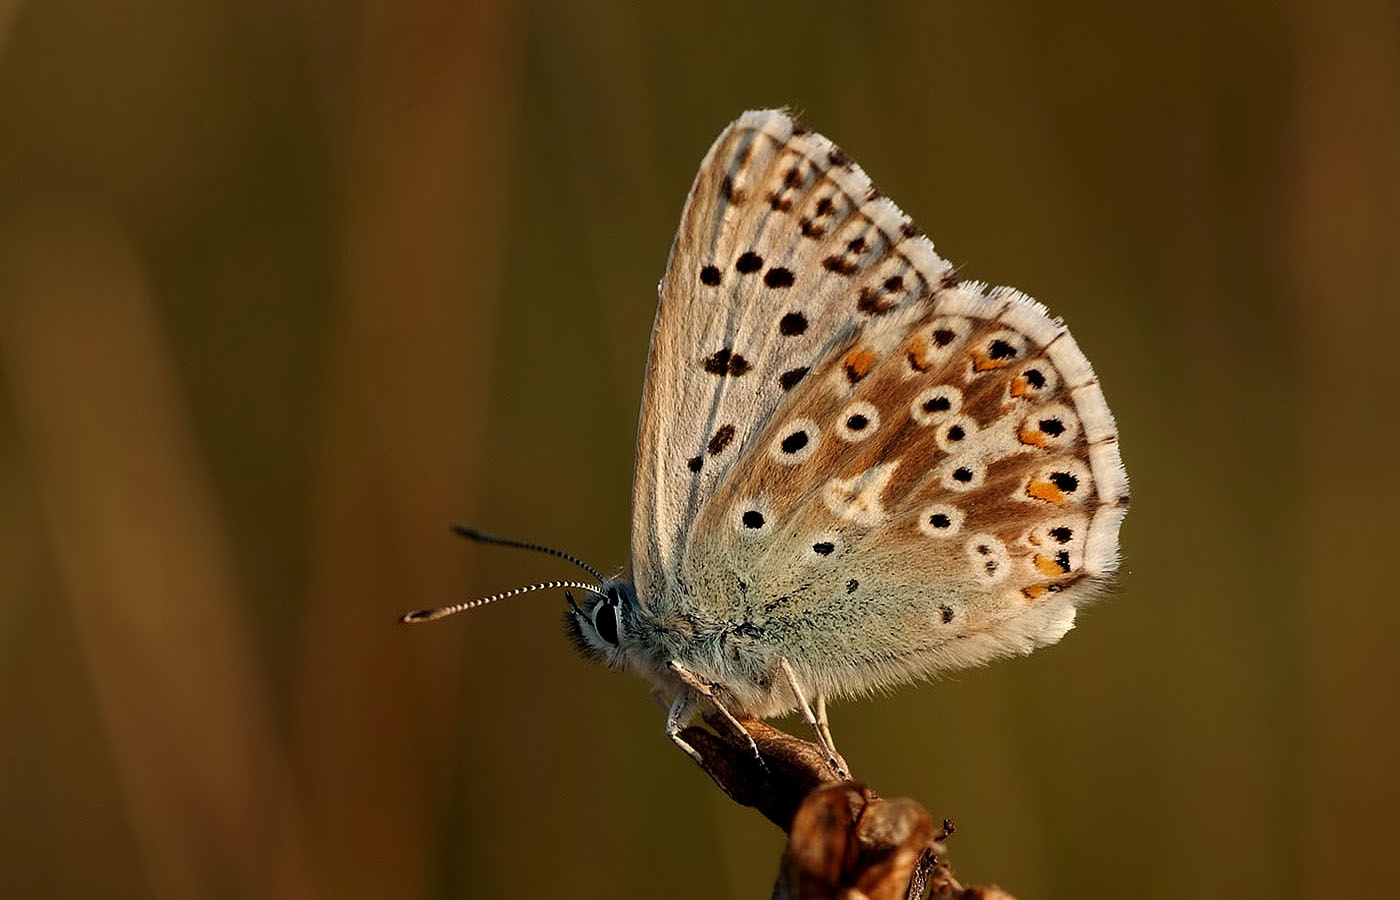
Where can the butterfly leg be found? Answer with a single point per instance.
(824, 726)
(681, 709)
(698, 686)
(819, 729)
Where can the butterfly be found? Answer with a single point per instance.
(853, 469)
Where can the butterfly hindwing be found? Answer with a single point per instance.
(955, 503)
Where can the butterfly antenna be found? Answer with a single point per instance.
(475, 535)
(428, 615)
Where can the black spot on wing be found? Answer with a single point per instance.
(794, 442)
(792, 324)
(721, 439)
(873, 302)
(778, 277)
(726, 362)
(748, 263)
(789, 379)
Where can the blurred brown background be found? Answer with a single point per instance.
(285, 288)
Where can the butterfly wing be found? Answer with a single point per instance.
(877, 471)
(774, 224)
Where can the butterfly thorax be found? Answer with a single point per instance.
(734, 655)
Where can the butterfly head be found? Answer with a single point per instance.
(600, 624)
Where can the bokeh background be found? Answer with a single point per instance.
(285, 288)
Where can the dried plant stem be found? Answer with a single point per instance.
(844, 840)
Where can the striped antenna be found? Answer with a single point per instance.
(475, 535)
(428, 615)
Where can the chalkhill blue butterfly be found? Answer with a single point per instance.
(853, 469)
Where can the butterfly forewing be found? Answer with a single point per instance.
(776, 224)
(848, 451)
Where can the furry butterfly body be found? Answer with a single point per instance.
(852, 469)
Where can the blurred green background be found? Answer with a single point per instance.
(285, 288)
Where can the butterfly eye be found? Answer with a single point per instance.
(605, 619)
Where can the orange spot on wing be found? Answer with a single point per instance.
(1047, 565)
(918, 360)
(1045, 490)
(981, 362)
(858, 363)
(1020, 387)
(1036, 591)
(1033, 438)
